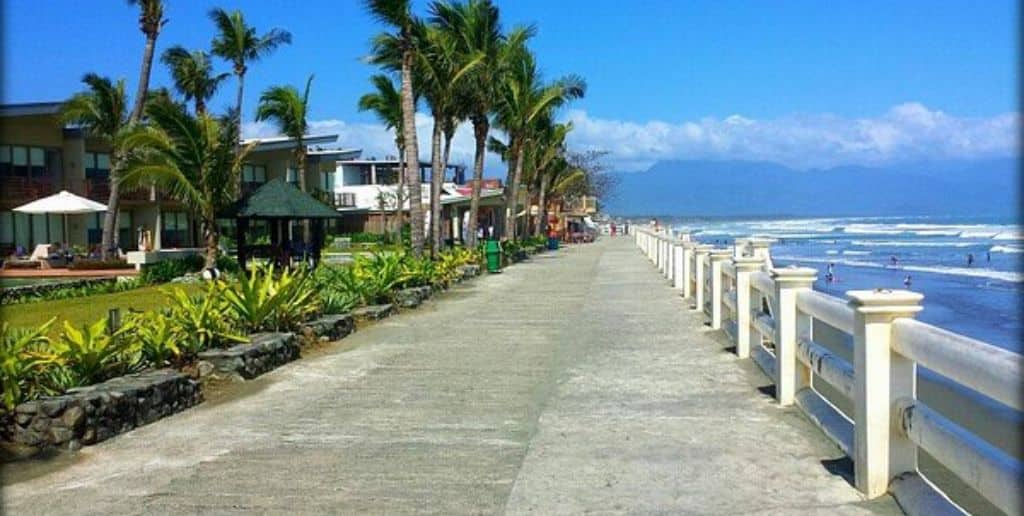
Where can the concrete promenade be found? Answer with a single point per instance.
(575, 382)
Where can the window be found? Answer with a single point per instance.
(175, 229)
(97, 165)
(327, 181)
(19, 160)
(293, 176)
(5, 160)
(254, 174)
(37, 157)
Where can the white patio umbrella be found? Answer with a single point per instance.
(64, 203)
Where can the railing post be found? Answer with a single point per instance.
(672, 272)
(688, 269)
(717, 258)
(678, 279)
(882, 377)
(761, 248)
(699, 252)
(745, 266)
(789, 281)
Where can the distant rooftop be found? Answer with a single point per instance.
(30, 109)
(285, 142)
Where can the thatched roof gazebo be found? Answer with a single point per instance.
(279, 203)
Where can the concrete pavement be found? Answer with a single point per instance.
(572, 383)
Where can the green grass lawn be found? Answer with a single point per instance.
(85, 310)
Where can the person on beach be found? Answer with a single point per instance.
(830, 273)
(895, 261)
(906, 281)
(613, 229)
(988, 256)
(970, 259)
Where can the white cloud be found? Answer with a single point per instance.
(908, 131)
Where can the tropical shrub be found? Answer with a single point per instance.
(200, 321)
(166, 270)
(20, 361)
(264, 300)
(417, 272)
(337, 301)
(156, 337)
(90, 354)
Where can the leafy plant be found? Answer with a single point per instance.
(154, 333)
(166, 270)
(265, 301)
(337, 301)
(200, 321)
(92, 354)
(19, 361)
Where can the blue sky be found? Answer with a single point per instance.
(667, 80)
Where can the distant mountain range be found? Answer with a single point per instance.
(750, 188)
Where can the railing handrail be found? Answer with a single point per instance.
(830, 309)
(992, 371)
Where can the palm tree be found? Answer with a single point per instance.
(288, 108)
(238, 43)
(522, 99)
(193, 75)
(441, 70)
(475, 26)
(548, 163)
(151, 20)
(102, 111)
(386, 103)
(397, 15)
(192, 157)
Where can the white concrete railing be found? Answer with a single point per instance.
(770, 313)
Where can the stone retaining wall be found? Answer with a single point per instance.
(88, 415)
(12, 294)
(373, 312)
(328, 328)
(264, 352)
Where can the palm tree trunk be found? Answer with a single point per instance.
(238, 122)
(109, 238)
(444, 169)
(542, 205)
(436, 178)
(412, 160)
(147, 64)
(512, 191)
(399, 195)
(212, 238)
(301, 159)
(480, 129)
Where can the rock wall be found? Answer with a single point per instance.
(88, 415)
(328, 328)
(264, 352)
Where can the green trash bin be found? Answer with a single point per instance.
(493, 252)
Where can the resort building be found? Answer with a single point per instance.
(40, 156)
(366, 192)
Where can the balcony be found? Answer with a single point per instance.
(335, 199)
(25, 189)
(98, 189)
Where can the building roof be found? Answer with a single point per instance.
(277, 199)
(337, 154)
(30, 109)
(386, 162)
(284, 142)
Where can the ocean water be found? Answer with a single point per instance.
(981, 300)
